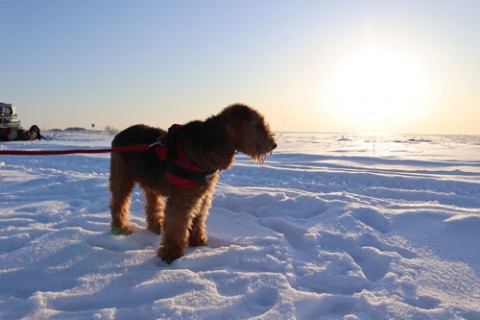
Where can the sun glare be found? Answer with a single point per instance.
(377, 89)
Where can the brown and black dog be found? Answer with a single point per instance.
(179, 177)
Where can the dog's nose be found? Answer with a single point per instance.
(274, 146)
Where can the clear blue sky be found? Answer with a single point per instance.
(114, 62)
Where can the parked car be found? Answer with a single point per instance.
(8, 116)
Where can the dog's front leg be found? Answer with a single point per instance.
(175, 230)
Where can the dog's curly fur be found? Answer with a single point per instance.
(209, 144)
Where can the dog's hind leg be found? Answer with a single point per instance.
(121, 186)
(154, 207)
(198, 233)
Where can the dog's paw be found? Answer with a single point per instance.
(155, 228)
(121, 231)
(168, 256)
(197, 241)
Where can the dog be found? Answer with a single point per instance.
(179, 171)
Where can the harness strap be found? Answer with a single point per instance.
(180, 171)
(188, 173)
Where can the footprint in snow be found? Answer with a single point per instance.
(373, 219)
(373, 262)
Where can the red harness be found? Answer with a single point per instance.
(180, 171)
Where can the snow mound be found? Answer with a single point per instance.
(331, 227)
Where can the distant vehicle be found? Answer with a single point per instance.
(8, 116)
(10, 126)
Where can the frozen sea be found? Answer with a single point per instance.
(332, 226)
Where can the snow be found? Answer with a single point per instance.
(330, 227)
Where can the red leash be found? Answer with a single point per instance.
(140, 147)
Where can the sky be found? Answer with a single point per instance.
(308, 66)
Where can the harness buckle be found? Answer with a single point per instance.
(157, 143)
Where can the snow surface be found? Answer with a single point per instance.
(330, 227)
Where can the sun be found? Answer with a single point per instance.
(377, 89)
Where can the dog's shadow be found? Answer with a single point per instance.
(214, 242)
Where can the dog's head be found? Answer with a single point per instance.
(249, 132)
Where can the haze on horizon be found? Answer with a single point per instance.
(323, 66)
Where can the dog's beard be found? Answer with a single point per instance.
(260, 158)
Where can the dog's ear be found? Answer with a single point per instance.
(235, 117)
(230, 131)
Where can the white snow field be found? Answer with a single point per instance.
(330, 227)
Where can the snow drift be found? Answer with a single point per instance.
(331, 227)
